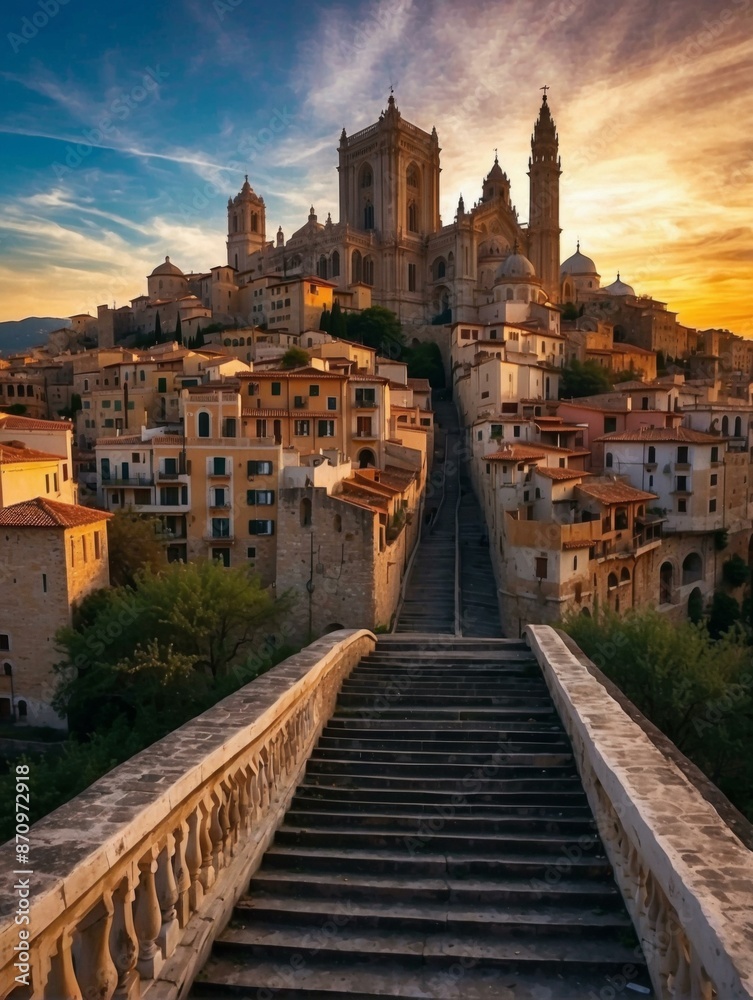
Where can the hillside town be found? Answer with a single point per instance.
(218, 406)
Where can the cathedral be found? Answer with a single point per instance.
(389, 246)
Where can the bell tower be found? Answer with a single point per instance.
(246, 226)
(544, 169)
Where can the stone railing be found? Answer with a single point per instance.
(686, 879)
(131, 881)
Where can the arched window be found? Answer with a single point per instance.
(335, 263)
(7, 669)
(368, 216)
(366, 458)
(441, 269)
(725, 425)
(651, 455)
(692, 568)
(305, 512)
(612, 581)
(367, 178)
(254, 222)
(412, 176)
(624, 574)
(666, 583)
(509, 295)
(242, 341)
(609, 459)
(204, 424)
(235, 222)
(738, 427)
(322, 267)
(368, 271)
(356, 267)
(412, 217)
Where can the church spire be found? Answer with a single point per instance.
(544, 169)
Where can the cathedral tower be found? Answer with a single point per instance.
(544, 169)
(246, 226)
(389, 177)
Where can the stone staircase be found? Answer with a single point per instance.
(440, 845)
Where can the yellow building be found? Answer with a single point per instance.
(26, 474)
(51, 556)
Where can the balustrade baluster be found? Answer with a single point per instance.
(61, 981)
(167, 894)
(182, 876)
(215, 831)
(148, 918)
(234, 814)
(208, 873)
(124, 946)
(95, 970)
(193, 860)
(244, 802)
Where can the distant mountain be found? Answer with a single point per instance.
(20, 333)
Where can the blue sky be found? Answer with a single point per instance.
(125, 127)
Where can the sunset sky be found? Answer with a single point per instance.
(124, 127)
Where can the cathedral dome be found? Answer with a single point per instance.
(578, 264)
(166, 268)
(618, 288)
(517, 265)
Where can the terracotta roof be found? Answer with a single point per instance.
(632, 349)
(9, 422)
(614, 492)
(400, 478)
(552, 472)
(684, 435)
(515, 453)
(279, 373)
(299, 413)
(129, 439)
(13, 453)
(422, 384)
(41, 513)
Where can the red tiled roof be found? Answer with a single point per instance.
(552, 472)
(282, 373)
(515, 453)
(300, 413)
(41, 513)
(13, 423)
(614, 492)
(11, 454)
(421, 384)
(672, 434)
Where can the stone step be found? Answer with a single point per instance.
(458, 772)
(513, 781)
(466, 757)
(427, 728)
(418, 798)
(514, 713)
(368, 741)
(438, 821)
(365, 804)
(519, 892)
(533, 863)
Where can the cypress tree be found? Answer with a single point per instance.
(157, 329)
(179, 330)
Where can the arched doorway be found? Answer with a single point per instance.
(366, 459)
(692, 568)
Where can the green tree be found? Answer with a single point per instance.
(132, 546)
(199, 338)
(324, 322)
(735, 571)
(583, 379)
(425, 361)
(294, 357)
(157, 328)
(337, 325)
(179, 330)
(15, 409)
(379, 328)
(698, 691)
(569, 311)
(724, 612)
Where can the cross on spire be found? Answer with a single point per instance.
(545, 88)
(496, 160)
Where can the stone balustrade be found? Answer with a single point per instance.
(133, 879)
(686, 878)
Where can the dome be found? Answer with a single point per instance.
(515, 266)
(578, 264)
(166, 268)
(618, 288)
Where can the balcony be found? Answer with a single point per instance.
(225, 505)
(210, 536)
(168, 477)
(214, 474)
(365, 404)
(132, 481)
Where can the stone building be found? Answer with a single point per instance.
(51, 556)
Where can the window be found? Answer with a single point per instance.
(142, 375)
(47, 484)
(276, 388)
(365, 397)
(326, 428)
(203, 425)
(170, 466)
(117, 404)
(261, 527)
(221, 556)
(56, 485)
(108, 423)
(411, 277)
(161, 385)
(218, 497)
(651, 455)
(313, 390)
(302, 428)
(86, 385)
(4, 641)
(135, 459)
(331, 402)
(220, 527)
(169, 496)
(681, 484)
(255, 468)
(714, 479)
(84, 548)
(712, 506)
(516, 430)
(97, 546)
(106, 404)
(609, 459)
(261, 428)
(261, 498)
(541, 567)
(368, 216)
(251, 552)
(229, 428)
(682, 506)
(682, 455)
(219, 466)
(335, 264)
(412, 217)
(610, 425)
(715, 454)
